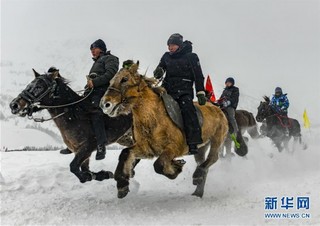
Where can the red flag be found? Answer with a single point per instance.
(209, 89)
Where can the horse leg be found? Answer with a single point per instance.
(277, 142)
(200, 174)
(76, 163)
(123, 171)
(200, 156)
(253, 132)
(168, 166)
(228, 143)
(85, 165)
(81, 160)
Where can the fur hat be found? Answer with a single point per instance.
(175, 39)
(99, 44)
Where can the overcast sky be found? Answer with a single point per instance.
(262, 43)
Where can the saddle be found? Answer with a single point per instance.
(174, 112)
(284, 121)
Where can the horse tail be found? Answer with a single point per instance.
(296, 128)
(253, 127)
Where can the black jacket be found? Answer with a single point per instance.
(231, 94)
(105, 67)
(182, 70)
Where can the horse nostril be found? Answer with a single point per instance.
(14, 106)
(107, 105)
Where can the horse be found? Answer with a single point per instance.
(246, 123)
(70, 113)
(275, 127)
(155, 134)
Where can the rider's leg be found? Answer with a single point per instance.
(191, 123)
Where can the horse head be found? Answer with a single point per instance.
(124, 91)
(39, 91)
(264, 109)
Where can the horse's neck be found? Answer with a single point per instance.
(147, 107)
(65, 96)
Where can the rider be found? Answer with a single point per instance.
(182, 68)
(105, 66)
(228, 102)
(279, 102)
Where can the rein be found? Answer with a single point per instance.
(37, 104)
(45, 120)
(55, 106)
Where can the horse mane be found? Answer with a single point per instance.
(266, 98)
(151, 82)
(63, 80)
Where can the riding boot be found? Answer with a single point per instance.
(100, 133)
(65, 151)
(101, 152)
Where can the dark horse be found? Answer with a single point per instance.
(278, 128)
(70, 113)
(246, 122)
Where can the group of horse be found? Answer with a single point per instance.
(133, 104)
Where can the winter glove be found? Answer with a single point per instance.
(201, 98)
(226, 103)
(158, 73)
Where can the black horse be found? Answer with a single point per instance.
(70, 113)
(280, 129)
(246, 122)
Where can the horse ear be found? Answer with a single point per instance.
(36, 74)
(138, 63)
(134, 68)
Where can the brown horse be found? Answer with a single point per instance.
(70, 113)
(155, 134)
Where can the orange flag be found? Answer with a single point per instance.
(209, 89)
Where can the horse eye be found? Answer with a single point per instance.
(124, 79)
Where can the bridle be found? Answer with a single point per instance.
(123, 91)
(35, 102)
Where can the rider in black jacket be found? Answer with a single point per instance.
(229, 101)
(182, 68)
(105, 66)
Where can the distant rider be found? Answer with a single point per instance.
(279, 102)
(228, 102)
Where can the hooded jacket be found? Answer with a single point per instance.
(182, 71)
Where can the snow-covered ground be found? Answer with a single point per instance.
(37, 188)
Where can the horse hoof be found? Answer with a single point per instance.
(122, 192)
(179, 162)
(102, 175)
(198, 194)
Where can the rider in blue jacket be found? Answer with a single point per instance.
(280, 102)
